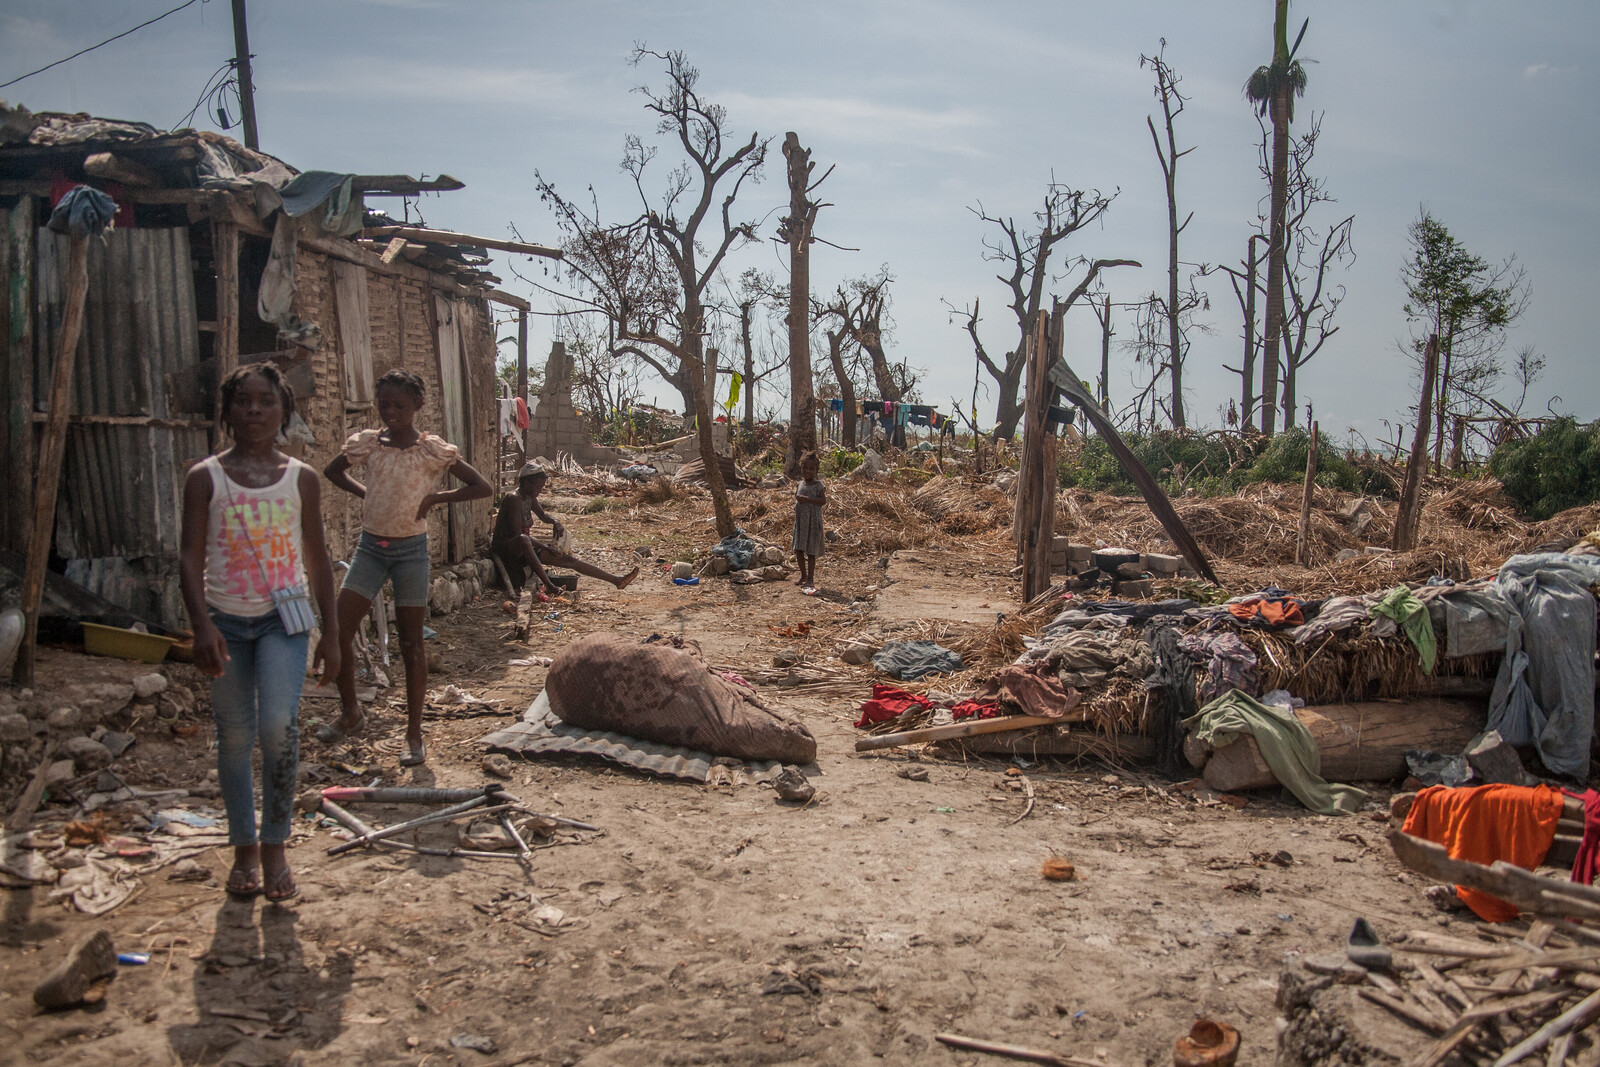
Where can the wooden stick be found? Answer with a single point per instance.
(1576, 1018)
(1302, 541)
(52, 453)
(225, 257)
(416, 233)
(1471, 1018)
(28, 803)
(1559, 1050)
(1016, 1052)
(1530, 892)
(391, 253)
(1404, 536)
(1401, 1008)
(959, 729)
(1028, 807)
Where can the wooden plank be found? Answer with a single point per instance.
(392, 253)
(959, 729)
(446, 237)
(1302, 540)
(225, 257)
(178, 423)
(1544, 897)
(355, 330)
(52, 452)
(114, 168)
(16, 311)
(403, 184)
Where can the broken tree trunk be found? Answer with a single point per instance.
(52, 452)
(1358, 742)
(1065, 380)
(1034, 525)
(1405, 517)
(1302, 541)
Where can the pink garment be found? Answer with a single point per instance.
(397, 479)
(522, 414)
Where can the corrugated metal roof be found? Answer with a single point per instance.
(122, 490)
(540, 732)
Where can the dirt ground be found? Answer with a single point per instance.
(714, 924)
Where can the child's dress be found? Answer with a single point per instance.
(808, 521)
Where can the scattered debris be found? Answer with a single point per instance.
(92, 960)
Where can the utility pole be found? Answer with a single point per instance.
(241, 69)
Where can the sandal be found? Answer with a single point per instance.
(244, 882)
(332, 733)
(283, 888)
(416, 757)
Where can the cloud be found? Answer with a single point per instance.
(1546, 70)
(434, 82)
(858, 120)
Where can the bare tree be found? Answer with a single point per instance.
(1176, 303)
(1026, 253)
(1246, 287)
(861, 305)
(756, 290)
(795, 229)
(650, 275)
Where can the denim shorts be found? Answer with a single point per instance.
(403, 560)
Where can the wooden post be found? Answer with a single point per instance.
(1035, 516)
(522, 356)
(1458, 438)
(1405, 517)
(52, 451)
(225, 257)
(1302, 541)
(241, 68)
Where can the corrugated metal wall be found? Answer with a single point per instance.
(139, 322)
(120, 506)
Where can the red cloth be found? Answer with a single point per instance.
(889, 702)
(1485, 824)
(1587, 863)
(522, 414)
(969, 708)
(61, 185)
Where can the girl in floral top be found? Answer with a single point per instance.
(403, 468)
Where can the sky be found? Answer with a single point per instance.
(1481, 112)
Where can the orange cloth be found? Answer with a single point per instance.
(1285, 612)
(1486, 823)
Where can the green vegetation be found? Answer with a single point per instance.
(1215, 464)
(1556, 469)
(839, 462)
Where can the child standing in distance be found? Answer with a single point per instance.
(252, 524)
(403, 467)
(809, 500)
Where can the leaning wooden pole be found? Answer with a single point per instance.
(1302, 540)
(52, 451)
(1062, 377)
(1404, 537)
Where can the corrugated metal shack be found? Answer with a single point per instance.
(210, 237)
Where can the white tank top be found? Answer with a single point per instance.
(245, 524)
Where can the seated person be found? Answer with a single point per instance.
(520, 553)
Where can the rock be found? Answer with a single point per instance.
(14, 727)
(176, 702)
(497, 765)
(1346, 554)
(720, 565)
(60, 771)
(1495, 761)
(682, 569)
(86, 754)
(772, 554)
(146, 686)
(774, 481)
(117, 742)
(787, 658)
(790, 784)
(858, 652)
(188, 871)
(98, 700)
(1129, 572)
(1160, 563)
(1142, 589)
(475, 1042)
(92, 959)
(64, 719)
(775, 572)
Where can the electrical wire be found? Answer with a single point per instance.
(102, 44)
(210, 89)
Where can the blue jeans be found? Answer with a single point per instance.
(401, 560)
(258, 698)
